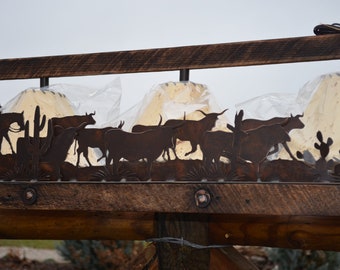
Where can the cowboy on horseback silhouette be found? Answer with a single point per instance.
(6, 120)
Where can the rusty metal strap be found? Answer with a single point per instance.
(325, 29)
(183, 242)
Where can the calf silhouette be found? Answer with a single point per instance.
(94, 138)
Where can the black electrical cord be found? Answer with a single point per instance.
(325, 29)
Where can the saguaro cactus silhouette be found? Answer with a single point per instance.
(37, 146)
(237, 130)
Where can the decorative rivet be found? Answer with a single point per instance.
(202, 198)
(227, 235)
(29, 196)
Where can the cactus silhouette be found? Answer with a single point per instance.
(236, 140)
(323, 147)
(37, 146)
(321, 165)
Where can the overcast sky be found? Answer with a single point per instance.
(42, 27)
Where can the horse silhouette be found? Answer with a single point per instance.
(6, 120)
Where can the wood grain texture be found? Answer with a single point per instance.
(274, 51)
(295, 232)
(226, 198)
(229, 258)
(189, 227)
(27, 224)
(291, 215)
(298, 232)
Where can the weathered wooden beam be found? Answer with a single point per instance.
(302, 232)
(296, 199)
(274, 51)
(77, 225)
(295, 232)
(301, 216)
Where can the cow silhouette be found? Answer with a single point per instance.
(193, 130)
(57, 152)
(93, 138)
(142, 128)
(288, 123)
(147, 145)
(73, 120)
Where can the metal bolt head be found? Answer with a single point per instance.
(29, 196)
(202, 198)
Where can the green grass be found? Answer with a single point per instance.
(45, 244)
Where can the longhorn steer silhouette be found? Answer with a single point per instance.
(253, 145)
(193, 130)
(147, 145)
(288, 123)
(143, 128)
(73, 120)
(256, 145)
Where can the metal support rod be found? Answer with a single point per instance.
(44, 82)
(184, 75)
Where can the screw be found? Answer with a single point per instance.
(202, 198)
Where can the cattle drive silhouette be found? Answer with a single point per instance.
(238, 153)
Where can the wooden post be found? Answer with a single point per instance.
(183, 227)
(189, 227)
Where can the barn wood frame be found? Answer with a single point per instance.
(288, 215)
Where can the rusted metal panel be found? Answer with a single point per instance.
(135, 156)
